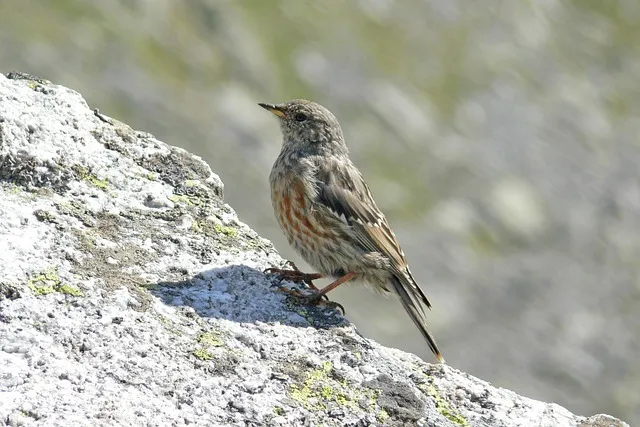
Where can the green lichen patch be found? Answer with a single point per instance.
(444, 407)
(321, 391)
(49, 282)
(67, 289)
(212, 339)
(206, 343)
(382, 416)
(185, 200)
(278, 410)
(202, 354)
(85, 174)
(44, 283)
(227, 231)
(211, 228)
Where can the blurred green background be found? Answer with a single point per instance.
(501, 139)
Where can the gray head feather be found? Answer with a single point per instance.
(309, 126)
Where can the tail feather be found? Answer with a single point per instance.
(412, 299)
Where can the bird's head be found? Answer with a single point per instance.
(307, 124)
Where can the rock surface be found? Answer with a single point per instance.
(130, 294)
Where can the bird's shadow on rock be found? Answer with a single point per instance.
(244, 294)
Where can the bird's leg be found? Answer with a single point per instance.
(295, 275)
(318, 295)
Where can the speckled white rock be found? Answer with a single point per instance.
(130, 294)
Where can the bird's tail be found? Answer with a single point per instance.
(414, 301)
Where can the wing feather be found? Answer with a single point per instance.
(342, 190)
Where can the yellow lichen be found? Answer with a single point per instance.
(206, 341)
(228, 231)
(202, 354)
(84, 174)
(70, 290)
(382, 416)
(210, 339)
(319, 390)
(184, 199)
(49, 282)
(445, 408)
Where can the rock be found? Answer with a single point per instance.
(130, 294)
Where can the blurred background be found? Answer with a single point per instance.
(500, 138)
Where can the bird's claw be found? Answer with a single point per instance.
(311, 299)
(273, 270)
(295, 276)
(324, 301)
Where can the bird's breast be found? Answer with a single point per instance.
(302, 223)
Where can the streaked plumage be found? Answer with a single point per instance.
(327, 213)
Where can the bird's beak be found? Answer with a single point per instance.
(275, 109)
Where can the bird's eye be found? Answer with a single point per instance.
(300, 117)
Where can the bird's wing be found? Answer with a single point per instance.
(342, 190)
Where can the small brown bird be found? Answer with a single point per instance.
(328, 215)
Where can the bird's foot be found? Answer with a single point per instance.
(320, 296)
(313, 298)
(317, 298)
(295, 275)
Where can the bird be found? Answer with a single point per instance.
(328, 215)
